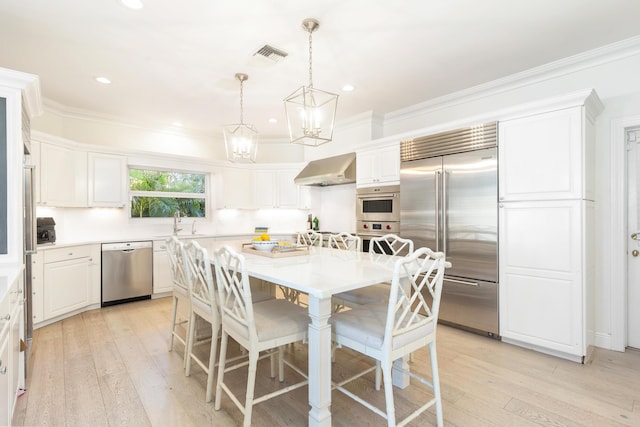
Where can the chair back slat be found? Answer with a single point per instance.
(234, 289)
(391, 244)
(175, 250)
(408, 309)
(345, 241)
(198, 271)
(309, 238)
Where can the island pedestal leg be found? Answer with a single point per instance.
(320, 361)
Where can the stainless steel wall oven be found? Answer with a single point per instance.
(377, 212)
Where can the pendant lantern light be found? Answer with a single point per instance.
(311, 112)
(241, 140)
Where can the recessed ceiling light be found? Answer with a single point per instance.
(347, 88)
(103, 80)
(178, 124)
(132, 4)
(272, 120)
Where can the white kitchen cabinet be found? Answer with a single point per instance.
(546, 227)
(11, 360)
(547, 156)
(162, 279)
(107, 180)
(275, 189)
(71, 279)
(234, 188)
(380, 166)
(63, 176)
(546, 263)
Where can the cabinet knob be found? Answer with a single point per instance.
(3, 370)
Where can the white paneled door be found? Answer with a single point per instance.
(633, 248)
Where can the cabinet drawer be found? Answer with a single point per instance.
(64, 254)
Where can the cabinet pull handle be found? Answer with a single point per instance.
(3, 370)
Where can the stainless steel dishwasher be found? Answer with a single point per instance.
(127, 272)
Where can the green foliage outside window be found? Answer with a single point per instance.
(159, 194)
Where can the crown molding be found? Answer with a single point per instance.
(582, 61)
(30, 86)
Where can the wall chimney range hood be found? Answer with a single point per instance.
(329, 171)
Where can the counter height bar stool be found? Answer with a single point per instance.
(377, 294)
(175, 250)
(345, 241)
(387, 333)
(258, 327)
(204, 305)
(309, 238)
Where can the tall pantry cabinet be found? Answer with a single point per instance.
(546, 226)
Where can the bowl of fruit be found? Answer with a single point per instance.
(264, 243)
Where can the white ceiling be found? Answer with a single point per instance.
(175, 61)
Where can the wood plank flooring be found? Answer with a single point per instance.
(111, 367)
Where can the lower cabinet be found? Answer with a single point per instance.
(71, 281)
(546, 276)
(162, 281)
(11, 359)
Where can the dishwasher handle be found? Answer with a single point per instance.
(126, 246)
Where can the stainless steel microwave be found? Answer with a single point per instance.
(378, 203)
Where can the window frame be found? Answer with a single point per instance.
(206, 195)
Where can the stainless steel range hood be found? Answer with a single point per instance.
(329, 171)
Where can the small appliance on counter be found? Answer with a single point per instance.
(46, 230)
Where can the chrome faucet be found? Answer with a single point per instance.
(193, 227)
(176, 220)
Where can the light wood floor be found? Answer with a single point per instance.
(112, 367)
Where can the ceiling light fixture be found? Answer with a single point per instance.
(103, 80)
(311, 112)
(241, 140)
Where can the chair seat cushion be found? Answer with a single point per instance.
(365, 325)
(370, 295)
(273, 318)
(260, 296)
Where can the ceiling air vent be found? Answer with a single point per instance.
(270, 52)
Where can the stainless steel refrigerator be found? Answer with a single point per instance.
(449, 202)
(29, 250)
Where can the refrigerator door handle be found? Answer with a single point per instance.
(461, 282)
(438, 211)
(444, 211)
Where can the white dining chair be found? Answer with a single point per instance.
(180, 294)
(309, 238)
(204, 306)
(390, 244)
(389, 332)
(258, 327)
(345, 241)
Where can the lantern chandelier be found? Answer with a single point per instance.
(241, 140)
(311, 112)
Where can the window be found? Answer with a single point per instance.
(160, 193)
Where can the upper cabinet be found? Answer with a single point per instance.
(275, 189)
(378, 166)
(63, 176)
(547, 156)
(107, 180)
(233, 188)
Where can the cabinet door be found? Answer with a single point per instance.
(287, 189)
(264, 189)
(16, 333)
(63, 176)
(94, 284)
(366, 170)
(389, 165)
(107, 180)
(5, 401)
(162, 280)
(540, 156)
(66, 286)
(541, 279)
(234, 189)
